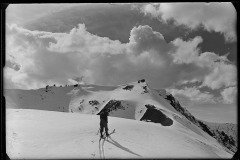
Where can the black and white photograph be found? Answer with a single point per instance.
(121, 80)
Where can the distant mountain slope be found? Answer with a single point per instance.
(134, 100)
(225, 133)
(51, 99)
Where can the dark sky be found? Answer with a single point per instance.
(117, 21)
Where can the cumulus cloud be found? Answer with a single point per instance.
(215, 16)
(222, 75)
(220, 72)
(144, 42)
(38, 65)
(187, 51)
(47, 57)
(55, 58)
(13, 65)
(80, 40)
(14, 79)
(229, 95)
(192, 95)
(143, 38)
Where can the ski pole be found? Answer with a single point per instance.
(98, 131)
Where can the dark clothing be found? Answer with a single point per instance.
(104, 116)
(103, 126)
(104, 122)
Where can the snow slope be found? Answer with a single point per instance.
(52, 99)
(133, 101)
(48, 134)
(132, 96)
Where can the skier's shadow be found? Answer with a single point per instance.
(120, 146)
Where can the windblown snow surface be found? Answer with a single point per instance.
(146, 125)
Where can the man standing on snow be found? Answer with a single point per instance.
(104, 122)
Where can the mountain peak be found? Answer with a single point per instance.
(135, 100)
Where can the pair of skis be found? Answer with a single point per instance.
(101, 144)
(104, 135)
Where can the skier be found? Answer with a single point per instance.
(104, 122)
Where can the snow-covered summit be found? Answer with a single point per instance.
(133, 101)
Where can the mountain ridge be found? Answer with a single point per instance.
(134, 100)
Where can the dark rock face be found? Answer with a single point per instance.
(94, 102)
(128, 87)
(180, 109)
(153, 114)
(112, 105)
(141, 81)
(221, 136)
(145, 90)
(226, 133)
(205, 128)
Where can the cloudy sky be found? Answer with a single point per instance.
(190, 49)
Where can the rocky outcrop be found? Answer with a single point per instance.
(145, 89)
(155, 115)
(112, 105)
(141, 81)
(226, 134)
(93, 102)
(128, 87)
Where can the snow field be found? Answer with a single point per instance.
(33, 133)
(48, 134)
